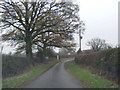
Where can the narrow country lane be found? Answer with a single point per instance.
(56, 77)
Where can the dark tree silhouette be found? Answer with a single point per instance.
(98, 44)
(40, 23)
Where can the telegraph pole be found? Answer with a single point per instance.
(80, 40)
(82, 28)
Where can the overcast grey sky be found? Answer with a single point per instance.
(101, 19)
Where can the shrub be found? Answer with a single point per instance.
(104, 63)
(13, 65)
(41, 55)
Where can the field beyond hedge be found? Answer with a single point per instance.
(103, 63)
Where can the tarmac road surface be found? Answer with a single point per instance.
(55, 77)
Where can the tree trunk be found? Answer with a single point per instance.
(44, 52)
(29, 48)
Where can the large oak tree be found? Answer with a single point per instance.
(41, 23)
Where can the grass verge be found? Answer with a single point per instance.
(87, 79)
(20, 80)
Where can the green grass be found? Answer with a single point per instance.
(20, 80)
(87, 79)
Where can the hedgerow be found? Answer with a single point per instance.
(104, 63)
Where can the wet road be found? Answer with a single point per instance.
(56, 77)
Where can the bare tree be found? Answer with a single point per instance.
(38, 23)
(66, 19)
(97, 44)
